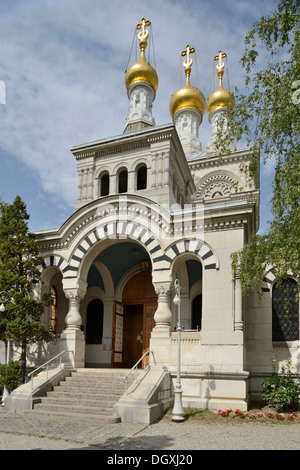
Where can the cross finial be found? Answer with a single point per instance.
(220, 65)
(142, 26)
(188, 61)
(143, 34)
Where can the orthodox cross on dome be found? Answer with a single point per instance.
(143, 34)
(188, 61)
(220, 65)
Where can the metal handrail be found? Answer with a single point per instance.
(48, 362)
(135, 367)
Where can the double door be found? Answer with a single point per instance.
(133, 324)
(133, 321)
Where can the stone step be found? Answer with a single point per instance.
(82, 416)
(107, 383)
(88, 393)
(85, 389)
(80, 401)
(78, 394)
(74, 408)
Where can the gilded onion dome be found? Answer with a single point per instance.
(221, 98)
(142, 71)
(187, 96)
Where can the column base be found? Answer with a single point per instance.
(74, 340)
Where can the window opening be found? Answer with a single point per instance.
(142, 177)
(197, 313)
(94, 322)
(285, 311)
(105, 184)
(123, 181)
(53, 310)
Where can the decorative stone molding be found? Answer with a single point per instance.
(163, 314)
(73, 318)
(216, 185)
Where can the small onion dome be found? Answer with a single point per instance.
(142, 71)
(221, 98)
(188, 96)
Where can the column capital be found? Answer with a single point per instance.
(73, 318)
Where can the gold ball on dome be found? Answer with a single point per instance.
(221, 98)
(141, 72)
(185, 98)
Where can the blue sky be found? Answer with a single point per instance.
(63, 62)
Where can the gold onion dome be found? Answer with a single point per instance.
(188, 96)
(221, 98)
(142, 71)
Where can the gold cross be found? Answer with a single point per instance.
(219, 57)
(142, 26)
(189, 50)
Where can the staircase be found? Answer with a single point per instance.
(86, 394)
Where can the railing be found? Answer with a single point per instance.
(135, 367)
(46, 365)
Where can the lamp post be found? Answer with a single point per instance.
(5, 392)
(178, 412)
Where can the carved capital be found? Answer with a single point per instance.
(73, 318)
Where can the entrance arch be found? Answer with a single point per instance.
(139, 303)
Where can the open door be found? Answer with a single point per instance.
(118, 324)
(133, 321)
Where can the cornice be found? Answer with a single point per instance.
(228, 214)
(220, 160)
(125, 142)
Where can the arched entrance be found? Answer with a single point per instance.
(134, 319)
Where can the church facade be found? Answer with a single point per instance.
(152, 208)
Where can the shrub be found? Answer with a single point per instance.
(11, 375)
(282, 390)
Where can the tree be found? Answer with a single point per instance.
(270, 117)
(19, 263)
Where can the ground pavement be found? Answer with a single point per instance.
(29, 431)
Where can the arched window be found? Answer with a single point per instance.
(94, 322)
(285, 311)
(123, 181)
(141, 177)
(53, 310)
(104, 184)
(197, 313)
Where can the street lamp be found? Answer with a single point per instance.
(5, 392)
(178, 412)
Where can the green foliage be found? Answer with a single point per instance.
(282, 390)
(268, 116)
(19, 266)
(11, 375)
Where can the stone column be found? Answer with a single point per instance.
(153, 171)
(161, 333)
(90, 182)
(72, 338)
(238, 304)
(73, 318)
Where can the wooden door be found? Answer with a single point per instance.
(117, 334)
(133, 334)
(133, 320)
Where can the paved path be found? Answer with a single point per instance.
(30, 431)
